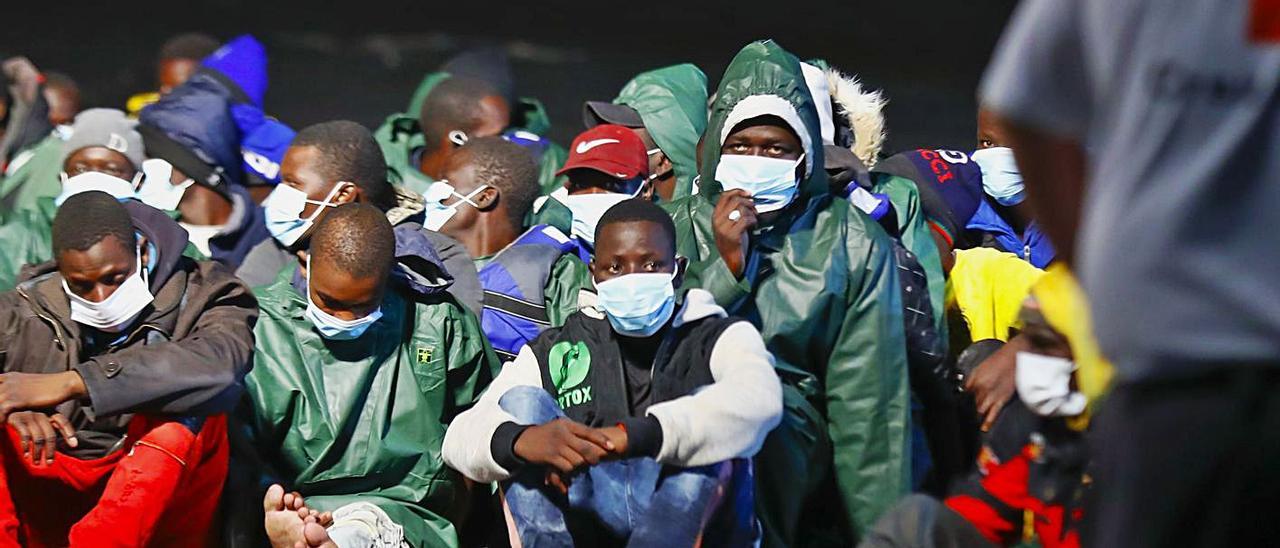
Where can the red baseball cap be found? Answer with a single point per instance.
(610, 149)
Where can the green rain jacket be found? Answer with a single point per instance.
(821, 285)
(916, 236)
(672, 102)
(363, 420)
(400, 139)
(32, 175)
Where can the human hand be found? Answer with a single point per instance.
(618, 436)
(38, 434)
(25, 391)
(734, 215)
(563, 445)
(992, 381)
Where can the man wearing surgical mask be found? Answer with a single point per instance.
(104, 153)
(327, 165)
(639, 393)
(820, 281)
(363, 357)
(126, 354)
(532, 278)
(607, 164)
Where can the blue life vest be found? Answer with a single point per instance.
(515, 309)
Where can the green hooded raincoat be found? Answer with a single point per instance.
(363, 420)
(672, 101)
(822, 286)
(399, 136)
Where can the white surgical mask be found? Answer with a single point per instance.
(332, 327)
(117, 311)
(96, 180)
(1044, 385)
(437, 214)
(771, 182)
(156, 190)
(638, 305)
(284, 207)
(1001, 178)
(588, 208)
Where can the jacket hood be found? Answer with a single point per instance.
(863, 113)
(764, 79)
(165, 233)
(419, 267)
(195, 122)
(243, 61)
(672, 101)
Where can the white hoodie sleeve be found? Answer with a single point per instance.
(730, 417)
(468, 438)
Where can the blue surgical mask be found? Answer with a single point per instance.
(332, 327)
(1001, 179)
(437, 214)
(638, 305)
(771, 182)
(283, 208)
(588, 208)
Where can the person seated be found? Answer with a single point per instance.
(607, 165)
(103, 152)
(637, 394)
(532, 278)
(192, 130)
(327, 165)
(120, 358)
(474, 95)
(667, 108)
(356, 374)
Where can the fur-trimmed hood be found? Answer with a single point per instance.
(860, 109)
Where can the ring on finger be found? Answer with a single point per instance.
(735, 215)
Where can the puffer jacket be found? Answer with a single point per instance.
(186, 356)
(821, 285)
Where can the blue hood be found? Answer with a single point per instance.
(197, 116)
(240, 66)
(243, 60)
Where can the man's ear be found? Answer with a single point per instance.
(682, 267)
(665, 167)
(303, 263)
(142, 249)
(350, 192)
(488, 198)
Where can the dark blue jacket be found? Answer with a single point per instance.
(240, 66)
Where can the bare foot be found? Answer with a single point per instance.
(282, 523)
(317, 536)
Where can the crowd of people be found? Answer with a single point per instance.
(719, 317)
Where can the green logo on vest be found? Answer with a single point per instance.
(569, 364)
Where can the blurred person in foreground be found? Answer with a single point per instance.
(1150, 162)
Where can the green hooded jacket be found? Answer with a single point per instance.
(400, 137)
(822, 286)
(672, 102)
(363, 420)
(33, 174)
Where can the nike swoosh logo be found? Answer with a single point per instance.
(588, 145)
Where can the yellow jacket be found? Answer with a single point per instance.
(986, 287)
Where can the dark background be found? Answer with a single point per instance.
(361, 60)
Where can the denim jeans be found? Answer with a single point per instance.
(636, 499)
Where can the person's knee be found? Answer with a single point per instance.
(529, 405)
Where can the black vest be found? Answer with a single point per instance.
(581, 366)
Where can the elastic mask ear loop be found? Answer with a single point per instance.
(137, 180)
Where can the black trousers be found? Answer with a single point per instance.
(1191, 462)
